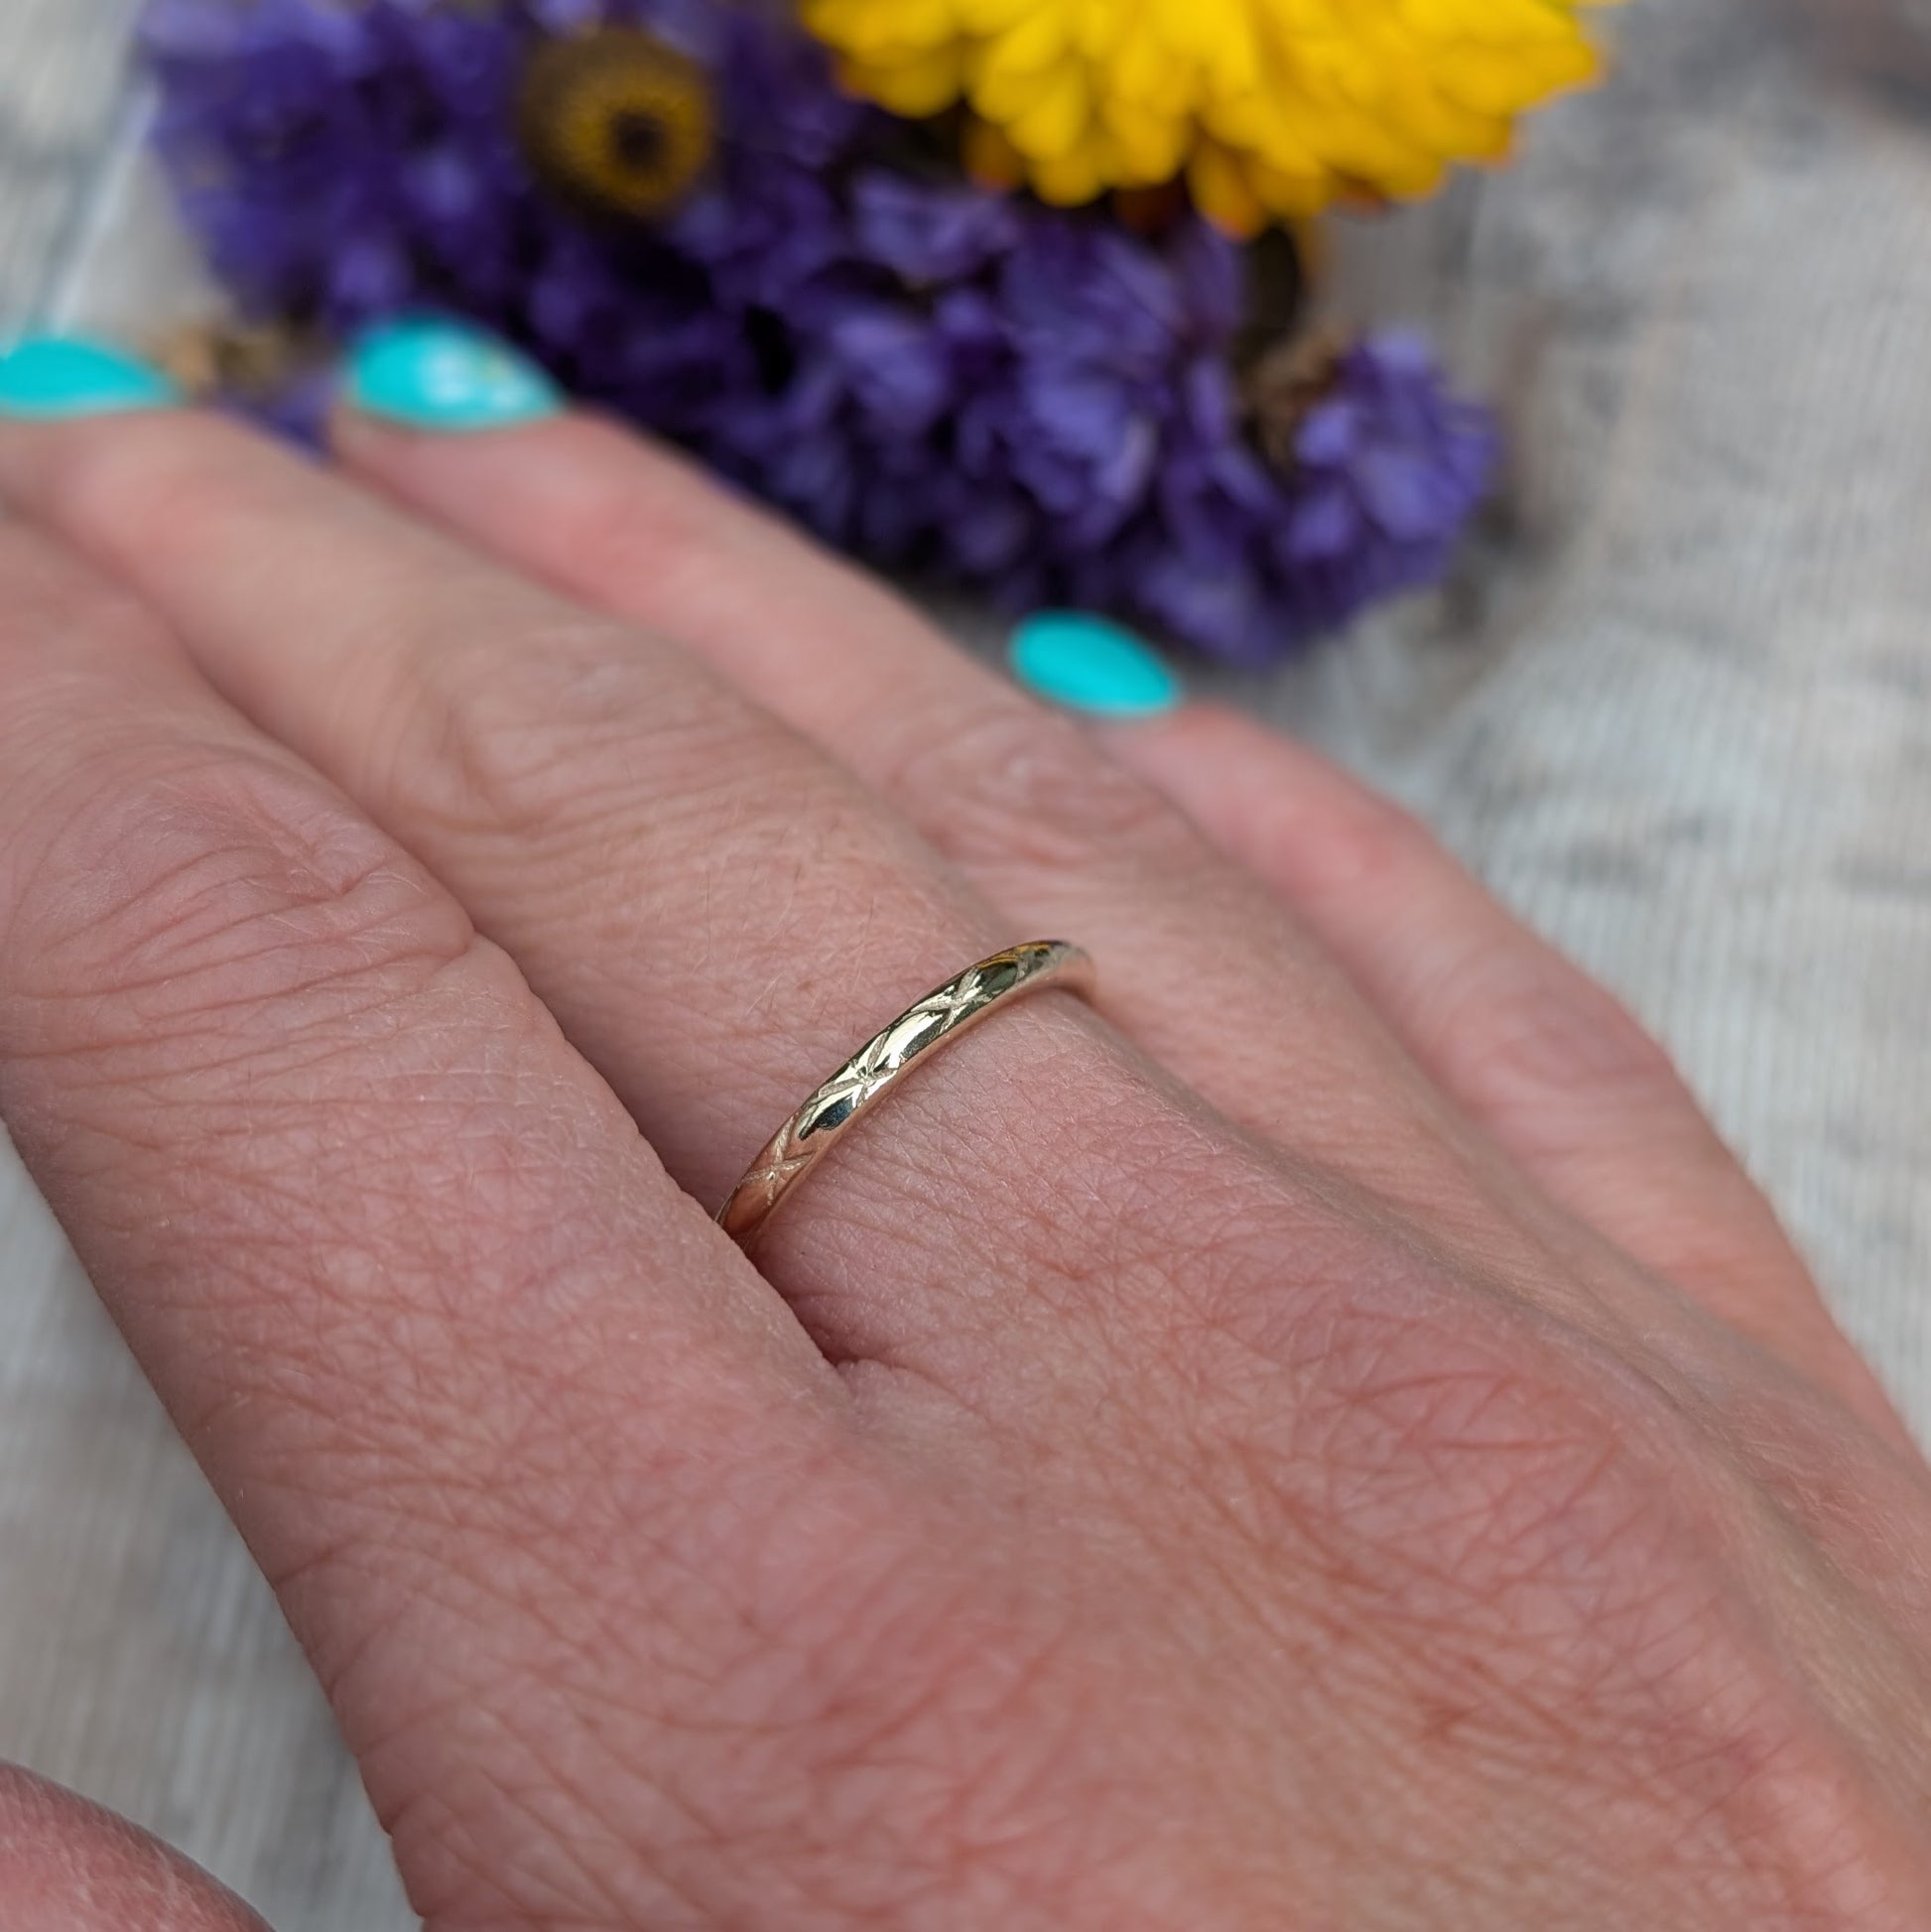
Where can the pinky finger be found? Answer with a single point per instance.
(67, 1866)
(1535, 1052)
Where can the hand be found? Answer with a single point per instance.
(1327, 1439)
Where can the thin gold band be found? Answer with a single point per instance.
(884, 1060)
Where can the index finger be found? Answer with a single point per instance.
(480, 1385)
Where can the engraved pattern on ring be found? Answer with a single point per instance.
(940, 1015)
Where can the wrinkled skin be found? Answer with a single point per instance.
(1324, 1437)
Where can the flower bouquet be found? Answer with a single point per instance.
(1009, 293)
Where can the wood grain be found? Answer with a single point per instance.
(1679, 712)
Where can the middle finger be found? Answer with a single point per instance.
(1229, 991)
(716, 914)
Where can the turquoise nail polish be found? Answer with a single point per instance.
(429, 374)
(1088, 665)
(45, 378)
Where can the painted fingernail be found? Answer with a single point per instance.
(429, 374)
(1087, 665)
(45, 378)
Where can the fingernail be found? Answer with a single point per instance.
(1087, 665)
(45, 378)
(429, 374)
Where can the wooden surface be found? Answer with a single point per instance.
(1680, 715)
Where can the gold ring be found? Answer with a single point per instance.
(884, 1060)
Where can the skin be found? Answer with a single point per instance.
(1324, 1437)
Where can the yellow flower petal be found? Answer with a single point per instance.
(1152, 148)
(1270, 108)
(1055, 121)
(1067, 181)
(1224, 193)
(914, 88)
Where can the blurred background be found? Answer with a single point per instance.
(1677, 709)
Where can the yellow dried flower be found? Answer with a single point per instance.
(1270, 108)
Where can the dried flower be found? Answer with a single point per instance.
(1039, 404)
(1270, 108)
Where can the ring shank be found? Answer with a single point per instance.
(942, 1015)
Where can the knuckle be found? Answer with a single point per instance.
(1010, 785)
(163, 480)
(183, 882)
(629, 511)
(567, 725)
(571, 761)
(1353, 841)
(1534, 1025)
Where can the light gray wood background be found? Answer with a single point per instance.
(1680, 715)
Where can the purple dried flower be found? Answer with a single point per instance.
(1390, 465)
(1036, 403)
(929, 237)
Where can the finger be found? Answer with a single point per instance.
(717, 915)
(1226, 989)
(638, 531)
(1530, 1047)
(67, 1866)
(396, 1259)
